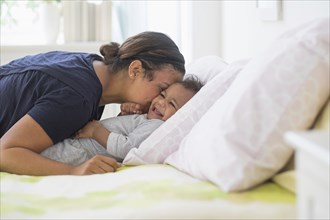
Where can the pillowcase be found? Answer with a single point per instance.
(206, 68)
(238, 143)
(166, 139)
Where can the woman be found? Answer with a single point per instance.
(48, 97)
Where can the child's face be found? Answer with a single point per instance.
(169, 101)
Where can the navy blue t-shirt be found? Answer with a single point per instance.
(60, 90)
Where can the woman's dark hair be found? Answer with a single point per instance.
(192, 83)
(155, 50)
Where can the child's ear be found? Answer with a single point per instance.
(135, 69)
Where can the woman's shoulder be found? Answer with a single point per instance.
(69, 56)
(52, 57)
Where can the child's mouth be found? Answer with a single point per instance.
(156, 112)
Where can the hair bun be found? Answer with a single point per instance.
(109, 52)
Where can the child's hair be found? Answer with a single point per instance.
(155, 50)
(192, 83)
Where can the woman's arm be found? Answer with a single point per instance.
(20, 147)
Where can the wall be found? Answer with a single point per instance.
(228, 28)
(245, 34)
(206, 33)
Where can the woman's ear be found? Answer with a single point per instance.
(135, 69)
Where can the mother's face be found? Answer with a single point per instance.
(145, 90)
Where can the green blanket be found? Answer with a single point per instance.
(141, 192)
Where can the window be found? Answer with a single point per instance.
(45, 22)
(170, 17)
(24, 22)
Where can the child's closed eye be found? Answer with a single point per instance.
(173, 105)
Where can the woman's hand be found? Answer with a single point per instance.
(97, 165)
(130, 108)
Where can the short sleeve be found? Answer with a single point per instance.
(61, 113)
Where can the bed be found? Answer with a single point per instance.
(181, 172)
(139, 192)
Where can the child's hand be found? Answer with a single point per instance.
(130, 108)
(88, 130)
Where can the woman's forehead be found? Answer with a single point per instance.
(174, 88)
(167, 75)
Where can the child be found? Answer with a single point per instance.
(116, 136)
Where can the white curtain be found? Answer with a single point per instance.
(170, 17)
(87, 20)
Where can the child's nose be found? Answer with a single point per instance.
(162, 102)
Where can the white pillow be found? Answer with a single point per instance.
(239, 143)
(166, 139)
(206, 68)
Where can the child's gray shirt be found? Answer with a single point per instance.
(126, 132)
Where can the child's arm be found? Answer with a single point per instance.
(119, 144)
(129, 108)
(95, 130)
